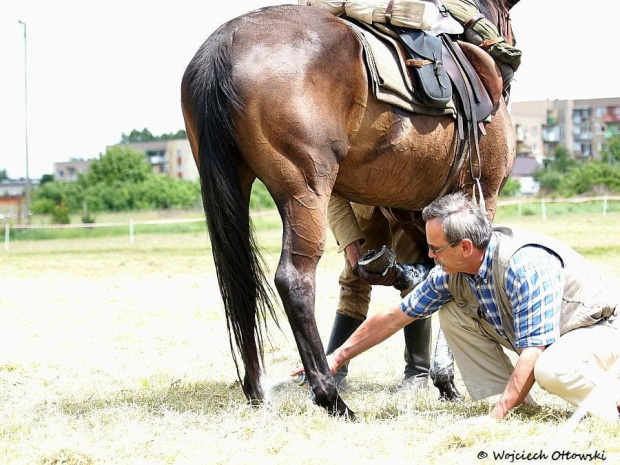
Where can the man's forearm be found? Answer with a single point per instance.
(373, 331)
(520, 382)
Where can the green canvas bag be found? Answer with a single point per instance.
(464, 11)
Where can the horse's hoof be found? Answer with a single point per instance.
(255, 402)
(340, 409)
(347, 414)
(448, 390)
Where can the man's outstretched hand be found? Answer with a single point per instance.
(333, 366)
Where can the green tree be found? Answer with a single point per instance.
(3, 175)
(611, 149)
(180, 134)
(562, 160)
(46, 178)
(137, 136)
(146, 136)
(118, 164)
(511, 187)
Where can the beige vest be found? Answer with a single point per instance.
(588, 296)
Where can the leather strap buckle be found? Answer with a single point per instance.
(388, 12)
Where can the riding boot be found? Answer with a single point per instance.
(344, 326)
(417, 354)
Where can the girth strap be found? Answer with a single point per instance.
(474, 98)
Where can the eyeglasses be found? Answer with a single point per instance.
(438, 250)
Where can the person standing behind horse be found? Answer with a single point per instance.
(502, 288)
(358, 229)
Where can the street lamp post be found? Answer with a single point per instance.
(26, 120)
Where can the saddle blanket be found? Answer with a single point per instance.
(391, 83)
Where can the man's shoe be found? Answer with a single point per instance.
(414, 383)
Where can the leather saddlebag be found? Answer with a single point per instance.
(432, 85)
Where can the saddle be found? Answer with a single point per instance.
(420, 79)
(442, 75)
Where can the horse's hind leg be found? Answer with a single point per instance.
(304, 233)
(301, 184)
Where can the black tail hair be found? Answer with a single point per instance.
(246, 295)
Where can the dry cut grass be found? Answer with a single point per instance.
(114, 353)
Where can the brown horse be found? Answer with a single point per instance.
(281, 94)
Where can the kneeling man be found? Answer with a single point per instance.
(498, 287)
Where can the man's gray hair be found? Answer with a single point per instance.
(460, 219)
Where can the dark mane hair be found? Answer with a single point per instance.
(491, 8)
(498, 12)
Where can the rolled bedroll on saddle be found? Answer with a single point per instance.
(416, 14)
(400, 13)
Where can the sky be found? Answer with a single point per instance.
(99, 68)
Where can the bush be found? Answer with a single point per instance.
(53, 193)
(549, 180)
(510, 188)
(163, 192)
(590, 177)
(60, 214)
(261, 198)
(42, 206)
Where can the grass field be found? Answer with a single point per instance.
(117, 353)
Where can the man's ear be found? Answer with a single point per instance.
(467, 246)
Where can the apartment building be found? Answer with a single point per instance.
(170, 157)
(582, 126)
(69, 170)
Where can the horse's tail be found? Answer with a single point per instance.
(208, 87)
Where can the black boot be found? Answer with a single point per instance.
(418, 336)
(344, 326)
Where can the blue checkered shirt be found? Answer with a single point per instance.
(534, 285)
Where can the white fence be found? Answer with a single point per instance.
(130, 225)
(127, 224)
(545, 201)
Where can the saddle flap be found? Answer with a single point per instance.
(486, 68)
(390, 79)
(472, 93)
(422, 44)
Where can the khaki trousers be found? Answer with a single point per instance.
(571, 368)
(377, 229)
